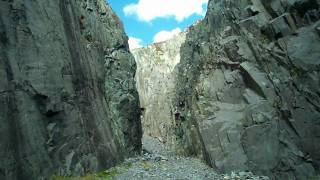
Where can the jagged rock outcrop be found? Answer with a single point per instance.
(155, 84)
(248, 88)
(68, 103)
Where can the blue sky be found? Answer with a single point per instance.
(148, 21)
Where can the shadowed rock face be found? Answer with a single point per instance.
(248, 88)
(68, 103)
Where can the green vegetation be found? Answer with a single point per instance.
(104, 175)
(316, 177)
(146, 165)
(296, 71)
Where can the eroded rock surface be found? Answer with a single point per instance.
(68, 103)
(155, 84)
(248, 88)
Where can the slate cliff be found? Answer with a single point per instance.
(155, 84)
(68, 103)
(248, 88)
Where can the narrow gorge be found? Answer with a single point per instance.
(234, 96)
(156, 86)
(245, 93)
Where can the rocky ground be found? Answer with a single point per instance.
(157, 163)
(159, 167)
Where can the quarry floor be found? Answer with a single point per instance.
(157, 163)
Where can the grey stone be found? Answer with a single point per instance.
(317, 27)
(304, 50)
(60, 111)
(155, 84)
(264, 117)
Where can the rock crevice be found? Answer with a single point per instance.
(246, 88)
(155, 84)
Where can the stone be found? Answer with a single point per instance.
(61, 113)
(157, 159)
(318, 30)
(155, 84)
(264, 116)
(304, 50)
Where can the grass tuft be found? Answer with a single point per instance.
(104, 175)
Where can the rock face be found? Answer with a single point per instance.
(155, 84)
(247, 91)
(68, 103)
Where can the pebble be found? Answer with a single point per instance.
(178, 168)
(159, 165)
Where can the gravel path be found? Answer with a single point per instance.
(179, 168)
(158, 165)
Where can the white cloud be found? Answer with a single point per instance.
(148, 10)
(135, 43)
(165, 35)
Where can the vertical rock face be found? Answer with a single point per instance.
(248, 88)
(155, 84)
(68, 103)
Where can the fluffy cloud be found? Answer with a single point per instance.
(165, 35)
(135, 43)
(147, 10)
